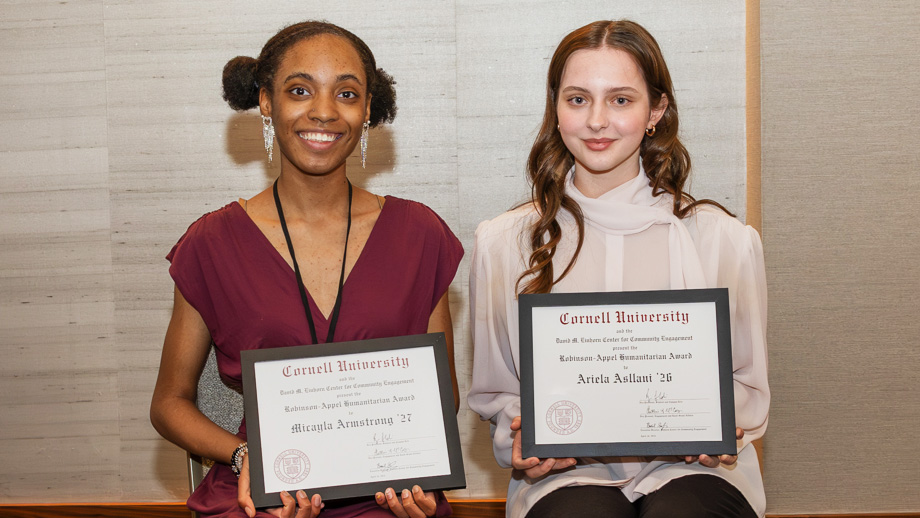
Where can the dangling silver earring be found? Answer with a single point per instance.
(268, 134)
(364, 129)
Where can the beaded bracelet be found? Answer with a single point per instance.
(236, 460)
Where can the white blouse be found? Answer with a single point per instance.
(632, 242)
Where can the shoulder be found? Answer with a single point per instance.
(502, 243)
(412, 209)
(214, 219)
(711, 228)
(208, 229)
(415, 216)
(507, 227)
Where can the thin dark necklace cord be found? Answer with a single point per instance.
(334, 318)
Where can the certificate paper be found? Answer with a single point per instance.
(628, 373)
(349, 419)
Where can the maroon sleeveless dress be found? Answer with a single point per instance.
(247, 296)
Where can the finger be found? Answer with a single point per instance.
(709, 462)
(690, 459)
(728, 460)
(427, 502)
(243, 498)
(306, 507)
(303, 505)
(739, 433)
(394, 504)
(408, 503)
(288, 505)
(534, 467)
(381, 500)
(517, 460)
(516, 423)
(541, 469)
(316, 505)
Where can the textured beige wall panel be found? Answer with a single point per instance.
(840, 185)
(59, 395)
(113, 139)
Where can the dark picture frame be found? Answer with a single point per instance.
(435, 341)
(719, 297)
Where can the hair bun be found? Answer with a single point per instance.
(383, 100)
(239, 80)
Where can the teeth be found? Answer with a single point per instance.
(319, 137)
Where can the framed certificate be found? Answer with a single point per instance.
(349, 419)
(626, 374)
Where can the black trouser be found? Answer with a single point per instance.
(692, 496)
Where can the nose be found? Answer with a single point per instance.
(597, 117)
(323, 109)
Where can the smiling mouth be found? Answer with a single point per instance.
(319, 137)
(598, 144)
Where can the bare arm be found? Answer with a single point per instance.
(440, 322)
(173, 411)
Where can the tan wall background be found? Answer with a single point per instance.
(113, 138)
(840, 184)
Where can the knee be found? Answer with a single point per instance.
(696, 496)
(584, 502)
(680, 503)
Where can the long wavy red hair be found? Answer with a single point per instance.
(665, 160)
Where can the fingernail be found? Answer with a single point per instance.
(301, 494)
(390, 493)
(380, 497)
(250, 512)
(406, 493)
(416, 489)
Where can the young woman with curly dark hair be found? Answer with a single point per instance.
(312, 259)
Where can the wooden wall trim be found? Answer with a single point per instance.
(135, 510)
(753, 210)
(464, 508)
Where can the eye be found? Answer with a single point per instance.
(348, 95)
(299, 91)
(577, 100)
(621, 101)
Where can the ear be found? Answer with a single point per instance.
(658, 111)
(265, 102)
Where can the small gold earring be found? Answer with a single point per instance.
(650, 131)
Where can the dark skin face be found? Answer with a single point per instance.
(318, 105)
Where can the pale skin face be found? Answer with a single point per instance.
(603, 108)
(318, 105)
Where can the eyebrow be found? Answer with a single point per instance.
(615, 90)
(340, 78)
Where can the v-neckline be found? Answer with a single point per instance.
(289, 269)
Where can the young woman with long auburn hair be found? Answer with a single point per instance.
(609, 213)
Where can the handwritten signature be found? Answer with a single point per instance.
(653, 396)
(387, 466)
(382, 438)
(388, 452)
